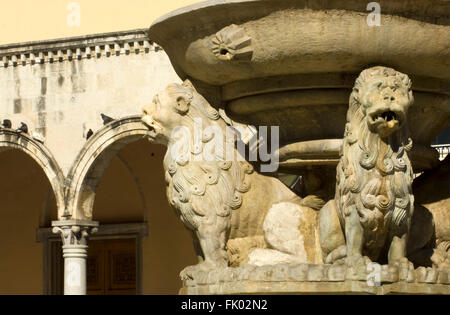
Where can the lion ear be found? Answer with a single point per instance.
(182, 104)
(188, 84)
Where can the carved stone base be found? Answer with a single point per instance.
(318, 279)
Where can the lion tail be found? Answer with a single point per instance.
(313, 202)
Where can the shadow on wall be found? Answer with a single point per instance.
(132, 189)
(25, 193)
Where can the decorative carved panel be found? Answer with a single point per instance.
(111, 266)
(122, 270)
(95, 268)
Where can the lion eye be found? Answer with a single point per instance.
(181, 102)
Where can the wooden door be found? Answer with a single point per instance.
(111, 267)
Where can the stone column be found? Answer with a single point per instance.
(74, 235)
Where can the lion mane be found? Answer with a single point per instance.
(374, 175)
(197, 189)
(220, 198)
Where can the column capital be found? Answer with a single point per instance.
(74, 232)
(75, 235)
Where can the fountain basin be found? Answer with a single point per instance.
(293, 63)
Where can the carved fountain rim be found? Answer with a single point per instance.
(299, 60)
(434, 11)
(183, 34)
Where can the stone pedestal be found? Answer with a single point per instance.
(319, 279)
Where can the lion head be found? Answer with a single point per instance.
(374, 174)
(178, 105)
(383, 96)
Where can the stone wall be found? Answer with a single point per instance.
(59, 88)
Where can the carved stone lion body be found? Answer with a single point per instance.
(373, 205)
(225, 203)
(429, 242)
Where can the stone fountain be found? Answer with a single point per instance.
(293, 64)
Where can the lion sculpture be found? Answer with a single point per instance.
(237, 216)
(429, 242)
(370, 217)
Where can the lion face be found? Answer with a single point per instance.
(385, 101)
(166, 112)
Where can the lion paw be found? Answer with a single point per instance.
(402, 263)
(355, 261)
(405, 268)
(440, 259)
(337, 255)
(189, 272)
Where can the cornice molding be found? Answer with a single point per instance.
(81, 47)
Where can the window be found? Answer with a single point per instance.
(114, 264)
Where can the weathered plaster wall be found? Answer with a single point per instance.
(23, 191)
(62, 100)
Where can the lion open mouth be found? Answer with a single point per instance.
(385, 122)
(387, 117)
(150, 124)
